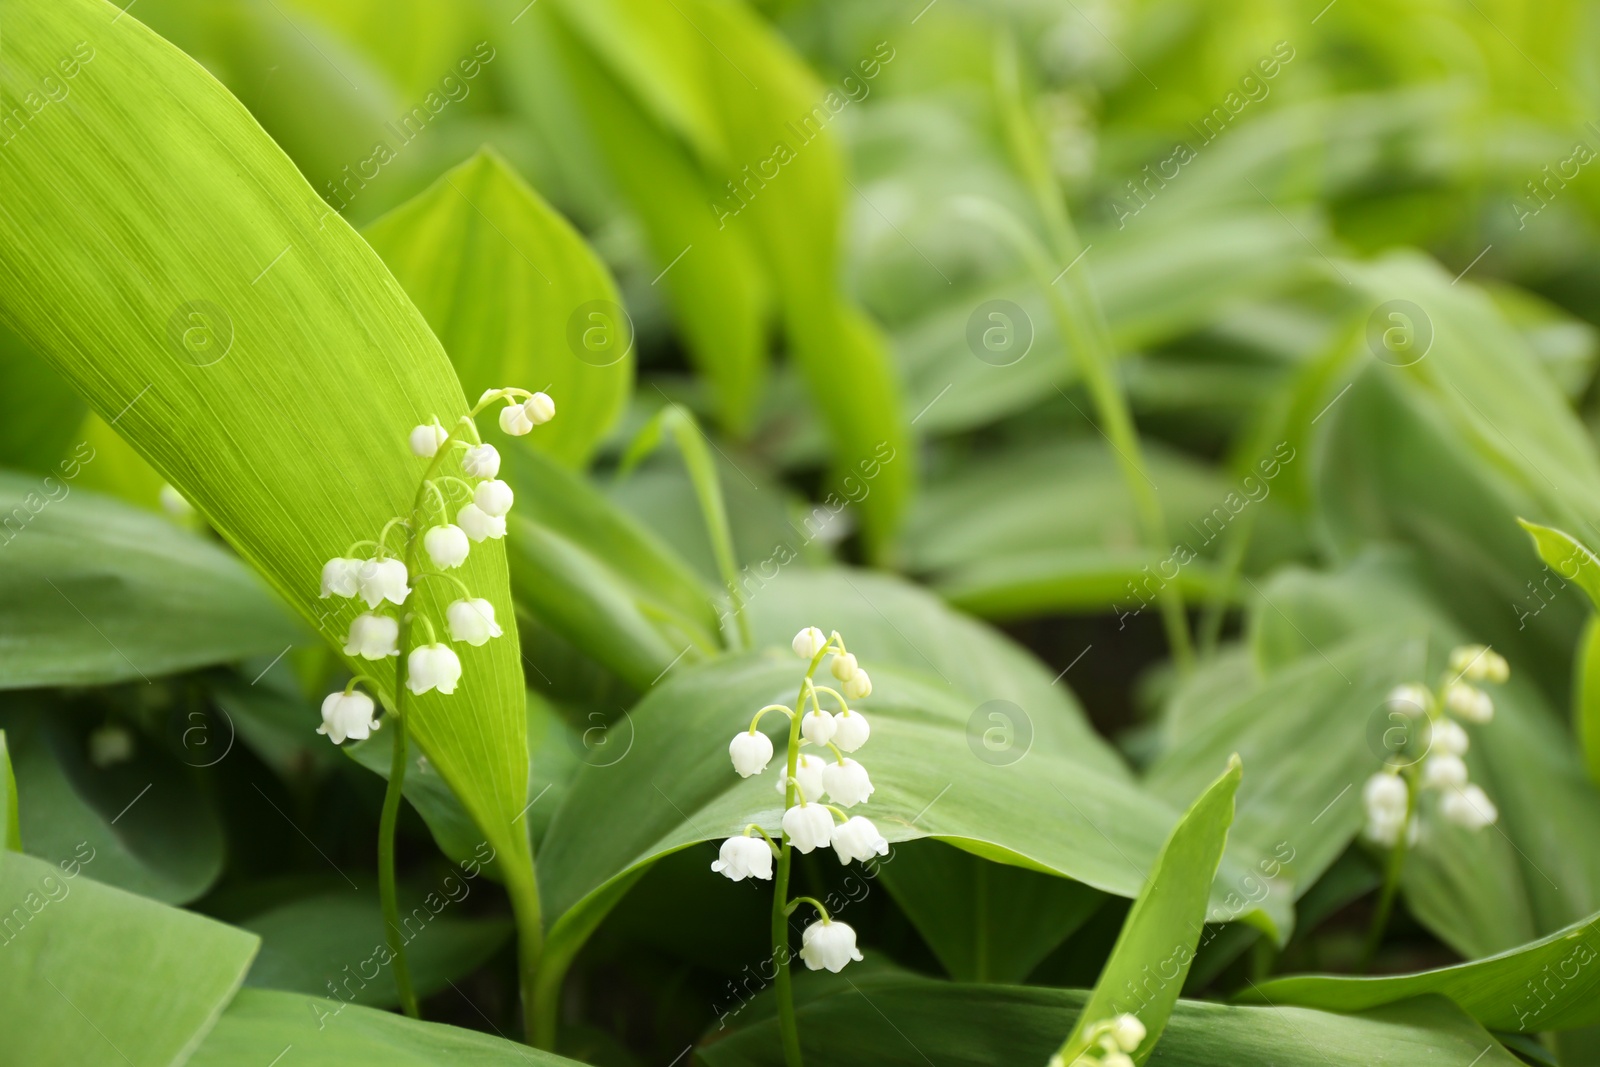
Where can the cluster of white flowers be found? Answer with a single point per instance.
(808, 822)
(1110, 1042)
(1390, 795)
(382, 578)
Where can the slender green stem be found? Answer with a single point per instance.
(386, 828)
(788, 1028)
(1392, 867)
(814, 902)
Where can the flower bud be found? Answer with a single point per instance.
(514, 420)
(433, 666)
(808, 642)
(481, 461)
(471, 621)
(1468, 806)
(751, 751)
(479, 524)
(859, 687)
(1449, 738)
(539, 408)
(1477, 663)
(447, 546)
(372, 636)
(1469, 702)
(1128, 1032)
(1440, 771)
(493, 498)
(1409, 699)
(844, 666)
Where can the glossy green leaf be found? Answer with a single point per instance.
(905, 1020)
(153, 829)
(986, 922)
(1586, 698)
(9, 827)
(516, 297)
(91, 974)
(261, 1024)
(328, 944)
(1568, 556)
(1545, 985)
(1164, 926)
(170, 262)
(94, 591)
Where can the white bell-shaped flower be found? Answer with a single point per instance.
(514, 420)
(1448, 738)
(378, 580)
(808, 642)
(846, 782)
(808, 826)
(844, 667)
(447, 546)
(859, 687)
(1478, 663)
(347, 715)
(751, 751)
(1128, 1032)
(1386, 830)
(818, 727)
(807, 776)
(481, 461)
(426, 439)
(493, 497)
(1469, 702)
(539, 408)
(858, 839)
(1385, 795)
(744, 857)
(1116, 1058)
(479, 524)
(471, 621)
(1441, 771)
(852, 730)
(372, 636)
(828, 946)
(339, 577)
(1409, 699)
(1468, 806)
(433, 667)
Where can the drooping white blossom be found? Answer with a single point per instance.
(339, 576)
(471, 621)
(1478, 663)
(846, 782)
(1449, 738)
(514, 419)
(1441, 771)
(1468, 806)
(540, 408)
(808, 642)
(751, 751)
(378, 580)
(433, 666)
(347, 715)
(852, 730)
(372, 636)
(1387, 800)
(1469, 702)
(858, 839)
(493, 497)
(744, 857)
(1409, 699)
(479, 524)
(818, 727)
(447, 546)
(859, 687)
(481, 461)
(426, 439)
(807, 776)
(844, 666)
(828, 946)
(1128, 1032)
(808, 826)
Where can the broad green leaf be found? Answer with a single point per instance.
(40, 410)
(91, 974)
(986, 922)
(516, 297)
(1568, 556)
(1545, 985)
(908, 1020)
(9, 827)
(1164, 925)
(1586, 698)
(673, 787)
(261, 1024)
(166, 257)
(324, 944)
(154, 830)
(94, 591)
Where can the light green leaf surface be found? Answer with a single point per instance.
(261, 1024)
(1164, 926)
(153, 829)
(516, 298)
(91, 974)
(1545, 985)
(164, 255)
(1568, 557)
(10, 829)
(906, 1020)
(40, 410)
(329, 944)
(94, 591)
